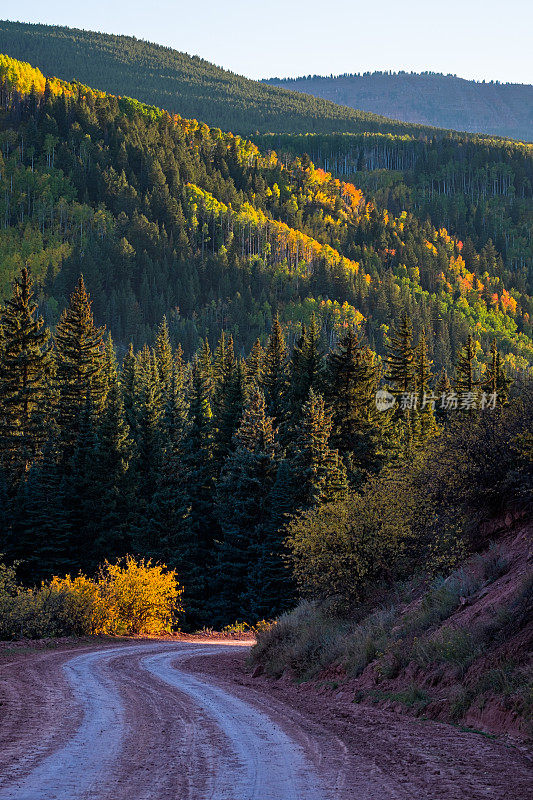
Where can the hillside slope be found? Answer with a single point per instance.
(167, 216)
(445, 101)
(457, 650)
(183, 84)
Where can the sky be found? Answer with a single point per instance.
(475, 39)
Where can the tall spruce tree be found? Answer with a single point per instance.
(274, 380)
(305, 367)
(242, 508)
(25, 367)
(80, 376)
(358, 428)
(254, 363)
(402, 380)
(443, 388)
(496, 382)
(162, 534)
(424, 413)
(164, 356)
(114, 483)
(312, 473)
(401, 364)
(194, 540)
(467, 382)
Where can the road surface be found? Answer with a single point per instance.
(174, 721)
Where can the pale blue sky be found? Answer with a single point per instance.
(481, 39)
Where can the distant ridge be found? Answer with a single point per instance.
(183, 84)
(428, 98)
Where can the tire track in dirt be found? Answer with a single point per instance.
(261, 761)
(167, 720)
(149, 730)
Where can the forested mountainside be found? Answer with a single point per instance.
(267, 303)
(480, 188)
(168, 216)
(446, 101)
(190, 86)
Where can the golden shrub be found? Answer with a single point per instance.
(128, 597)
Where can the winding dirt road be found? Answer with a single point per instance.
(166, 720)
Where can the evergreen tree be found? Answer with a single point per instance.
(39, 535)
(443, 389)
(496, 382)
(402, 377)
(254, 363)
(401, 365)
(25, 367)
(425, 412)
(242, 508)
(358, 428)
(313, 473)
(467, 382)
(274, 380)
(114, 489)
(128, 382)
(110, 367)
(80, 374)
(166, 509)
(148, 439)
(230, 400)
(164, 356)
(77, 494)
(305, 366)
(193, 543)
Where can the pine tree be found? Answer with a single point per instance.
(148, 440)
(78, 494)
(80, 374)
(230, 399)
(161, 534)
(224, 360)
(206, 369)
(305, 367)
(274, 380)
(359, 428)
(39, 534)
(314, 473)
(242, 508)
(164, 356)
(467, 382)
(25, 367)
(254, 363)
(401, 366)
(402, 379)
(110, 367)
(114, 485)
(193, 543)
(443, 389)
(496, 382)
(128, 382)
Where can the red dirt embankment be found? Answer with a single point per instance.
(457, 651)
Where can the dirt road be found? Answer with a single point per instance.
(166, 720)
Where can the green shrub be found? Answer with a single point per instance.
(452, 645)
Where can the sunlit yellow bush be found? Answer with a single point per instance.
(138, 597)
(128, 597)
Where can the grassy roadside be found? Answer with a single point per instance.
(455, 649)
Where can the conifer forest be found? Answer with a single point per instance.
(266, 402)
(196, 329)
